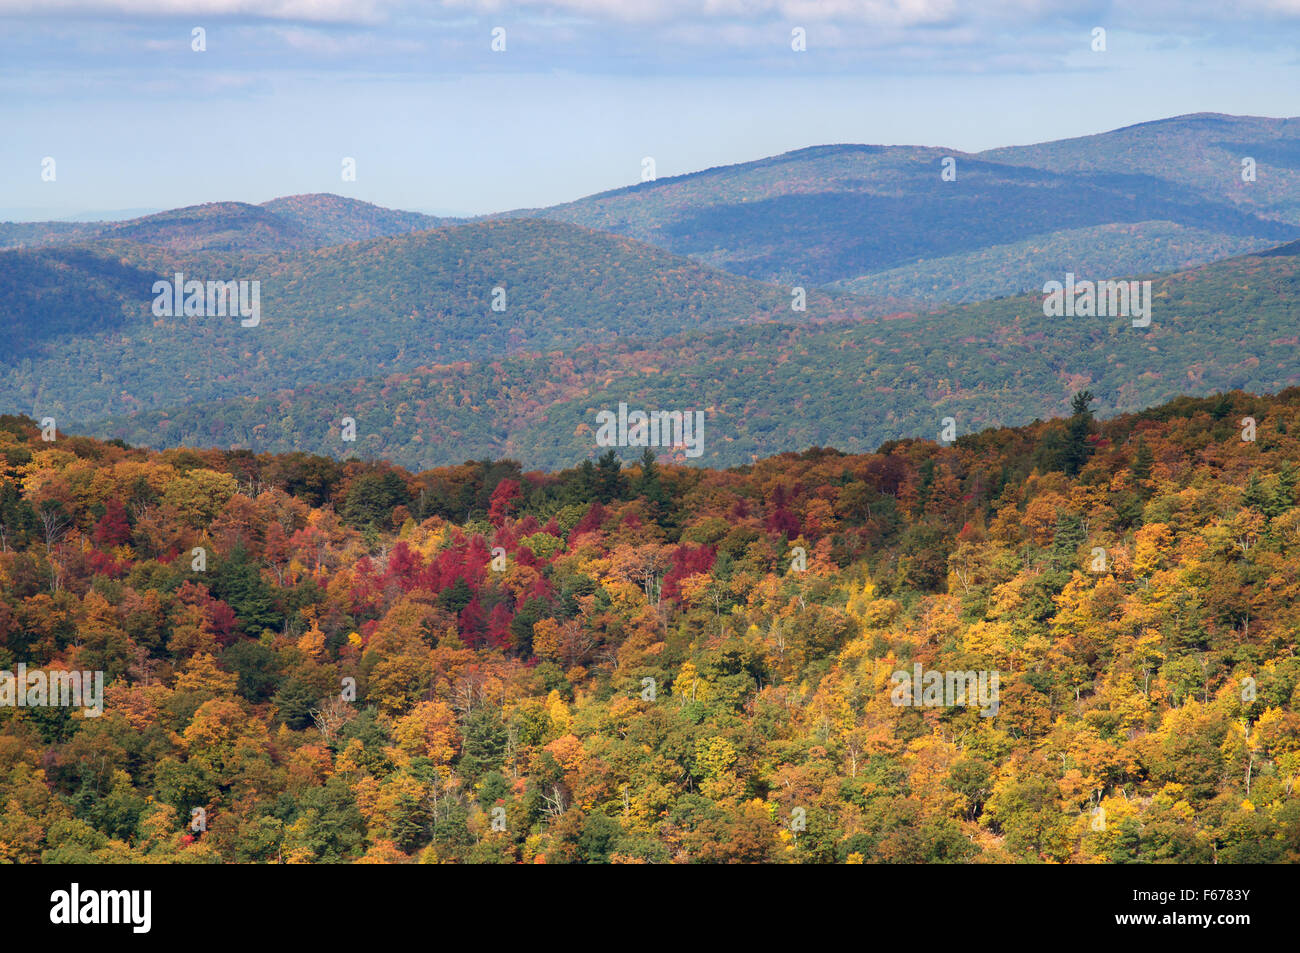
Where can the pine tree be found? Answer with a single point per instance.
(1077, 450)
(1283, 496)
(1255, 496)
(650, 488)
(580, 485)
(238, 582)
(1142, 461)
(611, 484)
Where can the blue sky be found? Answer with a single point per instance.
(437, 121)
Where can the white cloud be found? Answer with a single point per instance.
(1154, 15)
(323, 11)
(895, 13)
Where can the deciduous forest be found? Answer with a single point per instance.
(309, 660)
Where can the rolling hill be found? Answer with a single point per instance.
(846, 213)
(373, 313)
(1025, 265)
(1201, 152)
(84, 343)
(333, 219)
(1159, 196)
(767, 388)
(283, 224)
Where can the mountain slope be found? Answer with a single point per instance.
(218, 226)
(44, 234)
(871, 217)
(1026, 265)
(334, 219)
(845, 212)
(358, 310)
(1202, 152)
(283, 224)
(769, 388)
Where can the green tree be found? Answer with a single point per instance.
(611, 484)
(237, 581)
(372, 498)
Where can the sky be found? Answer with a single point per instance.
(436, 120)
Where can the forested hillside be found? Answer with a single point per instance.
(84, 343)
(1024, 266)
(283, 224)
(1191, 152)
(1156, 196)
(767, 388)
(334, 219)
(846, 213)
(309, 660)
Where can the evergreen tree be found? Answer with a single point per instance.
(1077, 432)
(456, 596)
(1282, 498)
(582, 485)
(650, 488)
(521, 626)
(1069, 536)
(372, 499)
(18, 522)
(611, 484)
(483, 742)
(238, 582)
(1255, 496)
(1142, 460)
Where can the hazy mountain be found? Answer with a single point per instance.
(333, 219)
(1159, 196)
(845, 213)
(283, 224)
(769, 388)
(41, 234)
(84, 341)
(505, 335)
(1094, 252)
(217, 226)
(1202, 152)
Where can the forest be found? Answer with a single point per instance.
(319, 660)
(767, 387)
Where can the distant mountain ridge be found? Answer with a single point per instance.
(285, 224)
(869, 218)
(1203, 152)
(502, 336)
(775, 387)
(333, 219)
(851, 214)
(84, 343)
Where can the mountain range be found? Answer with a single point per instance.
(774, 386)
(847, 213)
(842, 294)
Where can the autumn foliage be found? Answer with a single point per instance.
(659, 663)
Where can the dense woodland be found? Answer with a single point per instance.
(1023, 266)
(765, 387)
(83, 343)
(506, 713)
